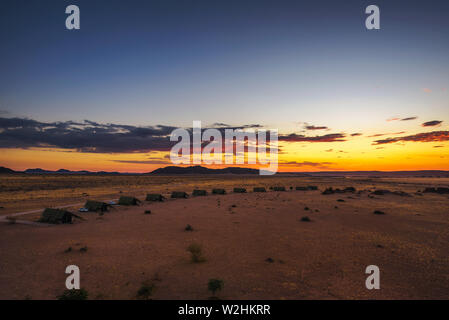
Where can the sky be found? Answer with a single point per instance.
(107, 96)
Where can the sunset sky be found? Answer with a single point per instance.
(107, 96)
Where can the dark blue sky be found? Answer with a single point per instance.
(171, 62)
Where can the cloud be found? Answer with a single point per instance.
(143, 161)
(393, 119)
(409, 118)
(427, 90)
(385, 134)
(87, 136)
(432, 123)
(311, 127)
(402, 119)
(91, 137)
(333, 137)
(4, 112)
(306, 164)
(356, 134)
(220, 124)
(420, 137)
(377, 135)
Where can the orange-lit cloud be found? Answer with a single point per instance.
(420, 137)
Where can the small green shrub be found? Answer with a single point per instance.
(145, 291)
(215, 285)
(196, 251)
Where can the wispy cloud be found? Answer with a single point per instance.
(161, 161)
(393, 119)
(402, 119)
(420, 137)
(332, 137)
(409, 118)
(427, 90)
(432, 123)
(306, 164)
(312, 127)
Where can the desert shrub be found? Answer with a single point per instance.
(147, 211)
(83, 249)
(196, 251)
(74, 294)
(215, 285)
(378, 212)
(145, 291)
(305, 219)
(188, 228)
(69, 249)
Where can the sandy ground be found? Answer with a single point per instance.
(322, 259)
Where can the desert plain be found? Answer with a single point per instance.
(257, 243)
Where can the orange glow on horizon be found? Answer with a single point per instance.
(353, 155)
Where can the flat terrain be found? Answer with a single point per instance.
(255, 242)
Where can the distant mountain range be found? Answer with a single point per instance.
(203, 170)
(60, 171)
(199, 170)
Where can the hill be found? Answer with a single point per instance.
(202, 170)
(6, 170)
